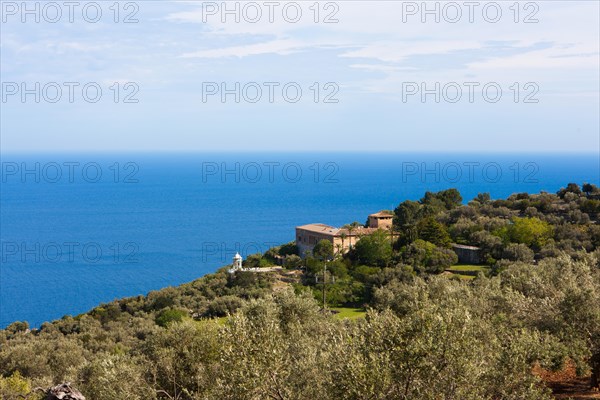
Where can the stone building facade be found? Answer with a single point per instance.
(342, 239)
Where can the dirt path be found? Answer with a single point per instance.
(565, 384)
(576, 389)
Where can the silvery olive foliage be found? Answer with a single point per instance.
(424, 336)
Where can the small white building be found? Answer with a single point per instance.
(237, 263)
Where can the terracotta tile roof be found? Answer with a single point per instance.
(381, 214)
(319, 228)
(332, 231)
(360, 230)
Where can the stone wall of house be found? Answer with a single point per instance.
(306, 241)
(378, 222)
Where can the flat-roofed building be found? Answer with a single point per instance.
(381, 219)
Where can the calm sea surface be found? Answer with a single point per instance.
(78, 230)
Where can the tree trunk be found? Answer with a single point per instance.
(63, 391)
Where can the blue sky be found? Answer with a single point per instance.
(369, 61)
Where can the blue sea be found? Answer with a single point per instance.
(81, 229)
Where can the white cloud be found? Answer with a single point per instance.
(369, 51)
(281, 47)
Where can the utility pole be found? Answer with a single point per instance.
(324, 284)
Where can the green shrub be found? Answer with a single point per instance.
(167, 316)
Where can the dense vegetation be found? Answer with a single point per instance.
(427, 334)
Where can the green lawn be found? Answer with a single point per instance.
(217, 320)
(342, 313)
(468, 267)
(349, 313)
(468, 271)
(465, 277)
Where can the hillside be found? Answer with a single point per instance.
(525, 323)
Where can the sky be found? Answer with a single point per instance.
(300, 76)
